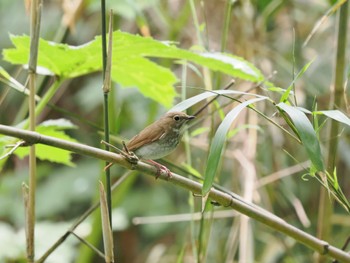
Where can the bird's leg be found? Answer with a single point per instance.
(130, 156)
(161, 167)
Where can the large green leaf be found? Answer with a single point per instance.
(218, 141)
(306, 134)
(53, 128)
(130, 65)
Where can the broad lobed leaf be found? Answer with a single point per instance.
(131, 66)
(51, 128)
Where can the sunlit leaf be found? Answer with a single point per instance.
(131, 66)
(53, 128)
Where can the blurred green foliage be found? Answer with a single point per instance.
(258, 161)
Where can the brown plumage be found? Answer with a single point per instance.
(160, 138)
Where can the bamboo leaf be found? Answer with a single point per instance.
(183, 105)
(306, 134)
(217, 145)
(335, 115)
(285, 95)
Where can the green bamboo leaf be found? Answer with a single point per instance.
(306, 134)
(217, 145)
(199, 131)
(285, 95)
(335, 115)
(183, 105)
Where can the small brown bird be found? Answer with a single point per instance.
(160, 138)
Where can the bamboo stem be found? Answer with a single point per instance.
(32, 64)
(326, 204)
(226, 199)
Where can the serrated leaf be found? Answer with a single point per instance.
(217, 145)
(47, 153)
(306, 134)
(131, 66)
(335, 115)
(59, 124)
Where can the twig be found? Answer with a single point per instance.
(213, 99)
(14, 148)
(98, 252)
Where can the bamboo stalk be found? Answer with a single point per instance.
(226, 199)
(324, 224)
(32, 64)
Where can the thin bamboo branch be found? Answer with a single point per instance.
(225, 199)
(107, 65)
(98, 252)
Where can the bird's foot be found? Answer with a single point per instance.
(130, 156)
(161, 168)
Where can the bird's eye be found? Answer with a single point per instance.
(176, 118)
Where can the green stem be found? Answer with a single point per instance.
(325, 205)
(226, 199)
(32, 64)
(196, 22)
(105, 105)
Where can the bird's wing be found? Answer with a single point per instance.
(149, 134)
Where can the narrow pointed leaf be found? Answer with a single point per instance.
(285, 95)
(335, 115)
(217, 144)
(183, 105)
(306, 134)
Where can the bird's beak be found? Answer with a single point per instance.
(190, 117)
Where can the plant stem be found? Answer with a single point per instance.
(105, 103)
(325, 204)
(33, 58)
(226, 199)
